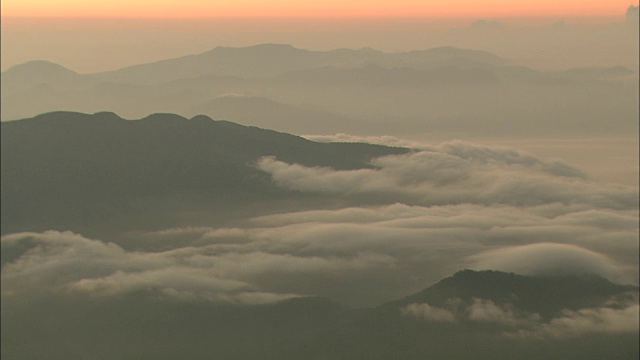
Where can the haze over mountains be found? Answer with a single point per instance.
(550, 43)
(445, 89)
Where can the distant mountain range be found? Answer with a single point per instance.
(436, 90)
(495, 304)
(268, 60)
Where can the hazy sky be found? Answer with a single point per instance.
(206, 8)
(68, 31)
(89, 45)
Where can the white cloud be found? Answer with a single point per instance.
(456, 173)
(429, 313)
(379, 140)
(355, 255)
(55, 261)
(479, 310)
(582, 322)
(546, 259)
(619, 319)
(65, 261)
(482, 310)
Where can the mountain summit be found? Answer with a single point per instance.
(547, 296)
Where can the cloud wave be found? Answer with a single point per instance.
(458, 173)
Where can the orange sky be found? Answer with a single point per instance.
(306, 8)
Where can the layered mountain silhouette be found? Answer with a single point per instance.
(144, 326)
(435, 90)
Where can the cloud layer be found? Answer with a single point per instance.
(409, 221)
(622, 319)
(458, 173)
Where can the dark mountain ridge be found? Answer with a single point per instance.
(74, 171)
(546, 296)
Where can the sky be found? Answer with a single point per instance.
(307, 8)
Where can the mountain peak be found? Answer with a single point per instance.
(201, 118)
(39, 68)
(543, 295)
(163, 117)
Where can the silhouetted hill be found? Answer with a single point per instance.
(33, 73)
(86, 172)
(39, 69)
(39, 86)
(547, 296)
(472, 313)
